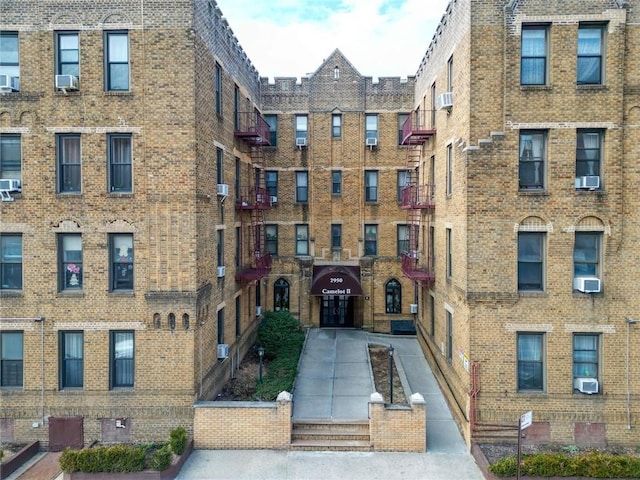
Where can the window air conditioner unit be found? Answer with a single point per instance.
(371, 142)
(221, 271)
(274, 199)
(445, 100)
(301, 142)
(223, 350)
(9, 83)
(587, 284)
(10, 185)
(591, 182)
(586, 385)
(66, 82)
(413, 308)
(223, 190)
(258, 310)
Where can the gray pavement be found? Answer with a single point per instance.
(334, 382)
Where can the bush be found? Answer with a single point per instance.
(116, 458)
(161, 458)
(178, 440)
(280, 331)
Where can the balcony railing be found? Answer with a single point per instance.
(414, 271)
(418, 197)
(416, 130)
(252, 128)
(259, 270)
(252, 198)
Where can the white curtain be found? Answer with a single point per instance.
(589, 55)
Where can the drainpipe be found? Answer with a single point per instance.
(629, 323)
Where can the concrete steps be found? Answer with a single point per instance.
(346, 436)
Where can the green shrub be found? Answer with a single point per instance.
(280, 331)
(161, 458)
(116, 458)
(505, 467)
(178, 440)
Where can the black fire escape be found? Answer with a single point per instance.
(417, 200)
(254, 262)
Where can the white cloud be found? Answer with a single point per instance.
(292, 37)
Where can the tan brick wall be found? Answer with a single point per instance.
(398, 428)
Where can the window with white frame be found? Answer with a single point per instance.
(533, 55)
(69, 163)
(302, 239)
(586, 356)
(11, 359)
(120, 163)
(533, 159)
(590, 67)
(370, 240)
(117, 61)
(531, 261)
(530, 351)
(10, 261)
(589, 149)
(71, 359)
(302, 187)
(371, 186)
(70, 268)
(10, 156)
(10, 61)
(121, 359)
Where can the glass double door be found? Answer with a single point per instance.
(336, 311)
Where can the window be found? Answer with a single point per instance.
(238, 246)
(530, 361)
(371, 239)
(402, 118)
(218, 88)
(403, 239)
(238, 310)
(71, 357)
(336, 236)
(237, 178)
(272, 121)
(590, 52)
(301, 127)
(586, 254)
(336, 73)
(533, 61)
(68, 54)
(432, 316)
(10, 58)
(585, 355)
(221, 326)
(117, 61)
(219, 166)
(371, 186)
(450, 74)
(271, 241)
(120, 163)
(220, 247)
(449, 352)
(371, 126)
(281, 295)
(433, 106)
(336, 125)
(11, 358)
(10, 156)
(271, 183)
(449, 181)
(449, 255)
(236, 108)
(393, 296)
(121, 250)
(403, 182)
(122, 358)
(69, 166)
(302, 240)
(588, 153)
(302, 187)
(10, 262)
(533, 154)
(531, 261)
(70, 261)
(336, 182)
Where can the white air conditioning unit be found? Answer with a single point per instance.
(274, 199)
(223, 350)
(258, 310)
(587, 284)
(301, 142)
(592, 182)
(66, 82)
(413, 308)
(9, 83)
(371, 142)
(10, 185)
(221, 270)
(223, 190)
(445, 100)
(586, 385)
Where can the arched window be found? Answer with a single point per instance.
(185, 321)
(280, 295)
(172, 321)
(336, 73)
(157, 321)
(393, 296)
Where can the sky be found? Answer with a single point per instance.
(291, 38)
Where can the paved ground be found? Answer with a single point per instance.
(334, 381)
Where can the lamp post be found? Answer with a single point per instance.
(260, 356)
(391, 373)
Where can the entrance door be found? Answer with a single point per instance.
(336, 311)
